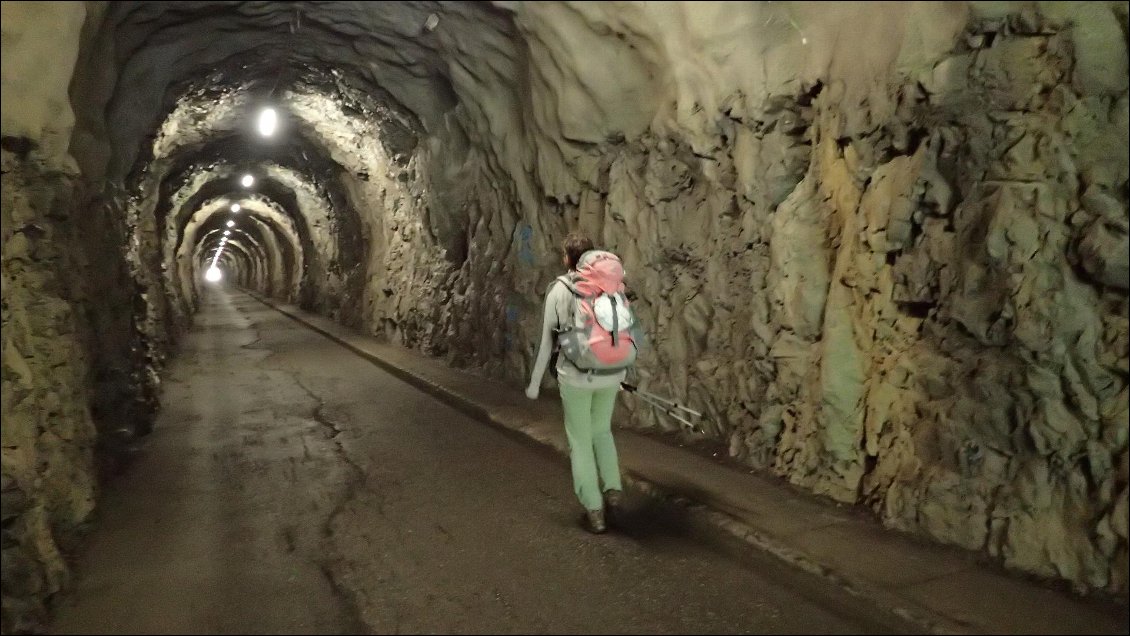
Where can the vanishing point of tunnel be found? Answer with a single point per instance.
(276, 274)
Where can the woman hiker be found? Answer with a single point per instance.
(588, 398)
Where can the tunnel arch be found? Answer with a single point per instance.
(258, 235)
(426, 175)
(518, 139)
(286, 258)
(241, 255)
(308, 153)
(291, 227)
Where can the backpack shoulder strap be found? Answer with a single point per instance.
(568, 282)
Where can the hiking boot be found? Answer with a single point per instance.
(595, 522)
(614, 498)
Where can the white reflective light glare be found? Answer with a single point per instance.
(231, 223)
(268, 119)
(213, 275)
(227, 232)
(235, 207)
(247, 180)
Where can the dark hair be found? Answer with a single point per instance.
(574, 245)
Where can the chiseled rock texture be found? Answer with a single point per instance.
(47, 435)
(884, 250)
(898, 281)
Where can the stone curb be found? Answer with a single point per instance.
(907, 615)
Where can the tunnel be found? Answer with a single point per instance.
(881, 248)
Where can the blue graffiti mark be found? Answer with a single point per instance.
(513, 312)
(525, 249)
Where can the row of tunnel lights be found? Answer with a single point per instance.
(268, 122)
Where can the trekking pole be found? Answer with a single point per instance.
(671, 403)
(649, 399)
(669, 411)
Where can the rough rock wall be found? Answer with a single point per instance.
(897, 277)
(885, 251)
(45, 340)
(423, 294)
(1019, 369)
(48, 434)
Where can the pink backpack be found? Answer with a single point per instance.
(601, 335)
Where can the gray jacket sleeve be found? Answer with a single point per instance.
(549, 325)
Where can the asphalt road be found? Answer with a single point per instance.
(292, 487)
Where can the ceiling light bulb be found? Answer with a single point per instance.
(235, 207)
(247, 180)
(231, 223)
(268, 120)
(213, 275)
(227, 232)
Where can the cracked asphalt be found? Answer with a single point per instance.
(292, 487)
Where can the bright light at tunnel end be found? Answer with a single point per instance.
(213, 275)
(235, 207)
(247, 180)
(268, 120)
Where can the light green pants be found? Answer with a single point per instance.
(588, 426)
